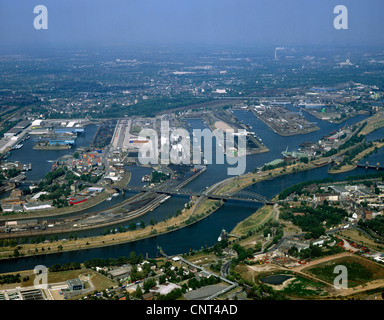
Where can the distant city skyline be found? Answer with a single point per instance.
(190, 22)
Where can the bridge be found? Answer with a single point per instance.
(369, 166)
(21, 180)
(242, 195)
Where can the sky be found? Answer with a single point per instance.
(196, 22)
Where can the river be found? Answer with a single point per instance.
(205, 232)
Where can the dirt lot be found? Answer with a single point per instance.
(222, 125)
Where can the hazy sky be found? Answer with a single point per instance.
(219, 22)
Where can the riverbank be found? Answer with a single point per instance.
(188, 216)
(202, 208)
(373, 123)
(357, 158)
(254, 221)
(238, 183)
(251, 176)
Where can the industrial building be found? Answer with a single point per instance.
(21, 223)
(121, 273)
(37, 206)
(32, 294)
(61, 141)
(75, 284)
(69, 130)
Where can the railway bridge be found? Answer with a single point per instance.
(242, 195)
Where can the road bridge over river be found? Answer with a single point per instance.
(243, 195)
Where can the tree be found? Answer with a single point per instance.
(16, 253)
(304, 159)
(133, 257)
(146, 269)
(148, 284)
(318, 231)
(138, 292)
(162, 279)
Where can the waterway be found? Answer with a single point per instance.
(41, 160)
(202, 233)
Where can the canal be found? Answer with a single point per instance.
(205, 232)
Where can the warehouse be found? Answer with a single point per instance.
(69, 129)
(75, 284)
(21, 223)
(37, 206)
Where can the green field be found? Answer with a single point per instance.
(360, 271)
(302, 287)
(251, 223)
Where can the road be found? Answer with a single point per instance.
(225, 268)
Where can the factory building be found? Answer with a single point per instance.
(75, 284)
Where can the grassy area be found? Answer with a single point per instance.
(360, 270)
(241, 182)
(202, 258)
(302, 287)
(367, 151)
(261, 216)
(357, 158)
(99, 281)
(135, 129)
(125, 178)
(373, 123)
(252, 241)
(245, 272)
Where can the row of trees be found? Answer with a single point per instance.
(355, 139)
(10, 278)
(352, 153)
(299, 187)
(131, 227)
(376, 225)
(108, 262)
(18, 241)
(65, 267)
